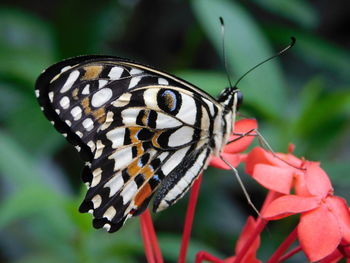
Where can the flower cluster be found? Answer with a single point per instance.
(324, 218)
(296, 186)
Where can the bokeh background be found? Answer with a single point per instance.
(302, 97)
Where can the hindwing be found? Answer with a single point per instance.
(138, 129)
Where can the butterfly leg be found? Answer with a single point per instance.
(262, 142)
(235, 172)
(241, 135)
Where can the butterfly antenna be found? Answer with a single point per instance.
(223, 49)
(293, 40)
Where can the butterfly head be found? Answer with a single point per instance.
(231, 98)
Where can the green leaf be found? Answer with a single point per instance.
(298, 11)
(245, 47)
(211, 82)
(82, 221)
(98, 23)
(31, 191)
(170, 246)
(338, 172)
(121, 245)
(26, 202)
(40, 258)
(310, 94)
(313, 49)
(307, 99)
(25, 44)
(322, 111)
(10, 98)
(39, 136)
(322, 119)
(16, 165)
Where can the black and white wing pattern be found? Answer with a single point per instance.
(138, 129)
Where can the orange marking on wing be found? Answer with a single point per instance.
(147, 171)
(86, 105)
(139, 149)
(134, 169)
(154, 139)
(91, 72)
(142, 195)
(100, 115)
(133, 133)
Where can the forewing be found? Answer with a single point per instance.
(137, 128)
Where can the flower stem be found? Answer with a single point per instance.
(276, 257)
(290, 253)
(153, 237)
(146, 240)
(260, 225)
(203, 255)
(189, 219)
(152, 249)
(345, 252)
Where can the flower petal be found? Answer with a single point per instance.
(316, 180)
(257, 155)
(242, 143)
(334, 257)
(274, 178)
(289, 160)
(260, 155)
(288, 205)
(233, 159)
(339, 208)
(300, 184)
(319, 233)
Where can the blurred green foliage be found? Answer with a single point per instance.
(303, 97)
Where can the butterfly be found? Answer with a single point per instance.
(141, 131)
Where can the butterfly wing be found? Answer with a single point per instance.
(137, 128)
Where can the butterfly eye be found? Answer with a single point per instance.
(239, 95)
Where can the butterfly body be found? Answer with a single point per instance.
(140, 130)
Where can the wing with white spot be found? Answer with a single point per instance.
(138, 128)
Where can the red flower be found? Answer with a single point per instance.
(231, 151)
(271, 172)
(324, 227)
(325, 219)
